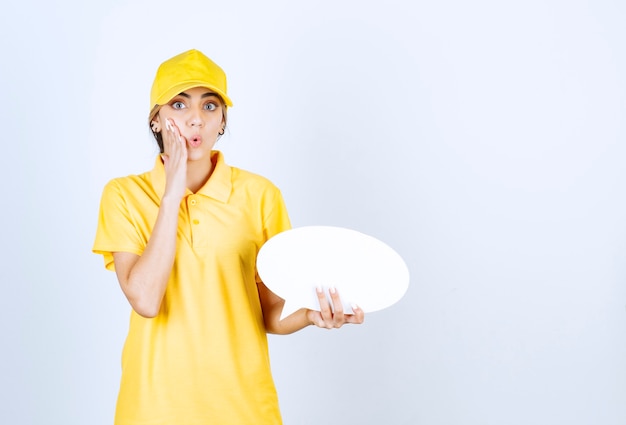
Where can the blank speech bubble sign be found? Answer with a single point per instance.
(365, 271)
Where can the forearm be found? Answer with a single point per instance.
(272, 306)
(147, 279)
(290, 324)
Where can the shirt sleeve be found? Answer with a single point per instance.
(116, 231)
(277, 218)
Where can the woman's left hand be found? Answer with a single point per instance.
(333, 317)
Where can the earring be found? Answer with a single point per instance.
(221, 133)
(155, 127)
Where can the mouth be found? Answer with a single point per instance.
(195, 141)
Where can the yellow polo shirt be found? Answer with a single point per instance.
(204, 358)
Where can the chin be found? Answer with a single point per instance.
(199, 156)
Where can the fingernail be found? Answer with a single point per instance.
(332, 290)
(167, 125)
(319, 289)
(354, 306)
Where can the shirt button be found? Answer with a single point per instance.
(196, 221)
(193, 202)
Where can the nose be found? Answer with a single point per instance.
(195, 118)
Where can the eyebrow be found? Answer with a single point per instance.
(209, 94)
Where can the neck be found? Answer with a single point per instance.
(198, 173)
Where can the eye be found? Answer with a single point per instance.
(210, 106)
(178, 105)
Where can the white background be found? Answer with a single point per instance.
(483, 140)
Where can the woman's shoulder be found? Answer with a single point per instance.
(128, 180)
(129, 183)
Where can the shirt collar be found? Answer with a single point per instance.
(217, 187)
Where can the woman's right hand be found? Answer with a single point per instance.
(144, 277)
(175, 161)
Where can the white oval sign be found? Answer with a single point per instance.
(364, 270)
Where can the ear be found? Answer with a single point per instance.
(223, 126)
(155, 125)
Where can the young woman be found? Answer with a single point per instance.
(183, 239)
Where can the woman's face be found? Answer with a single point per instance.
(198, 115)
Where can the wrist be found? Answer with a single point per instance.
(308, 315)
(169, 199)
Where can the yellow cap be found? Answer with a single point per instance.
(185, 71)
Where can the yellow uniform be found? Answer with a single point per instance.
(204, 358)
